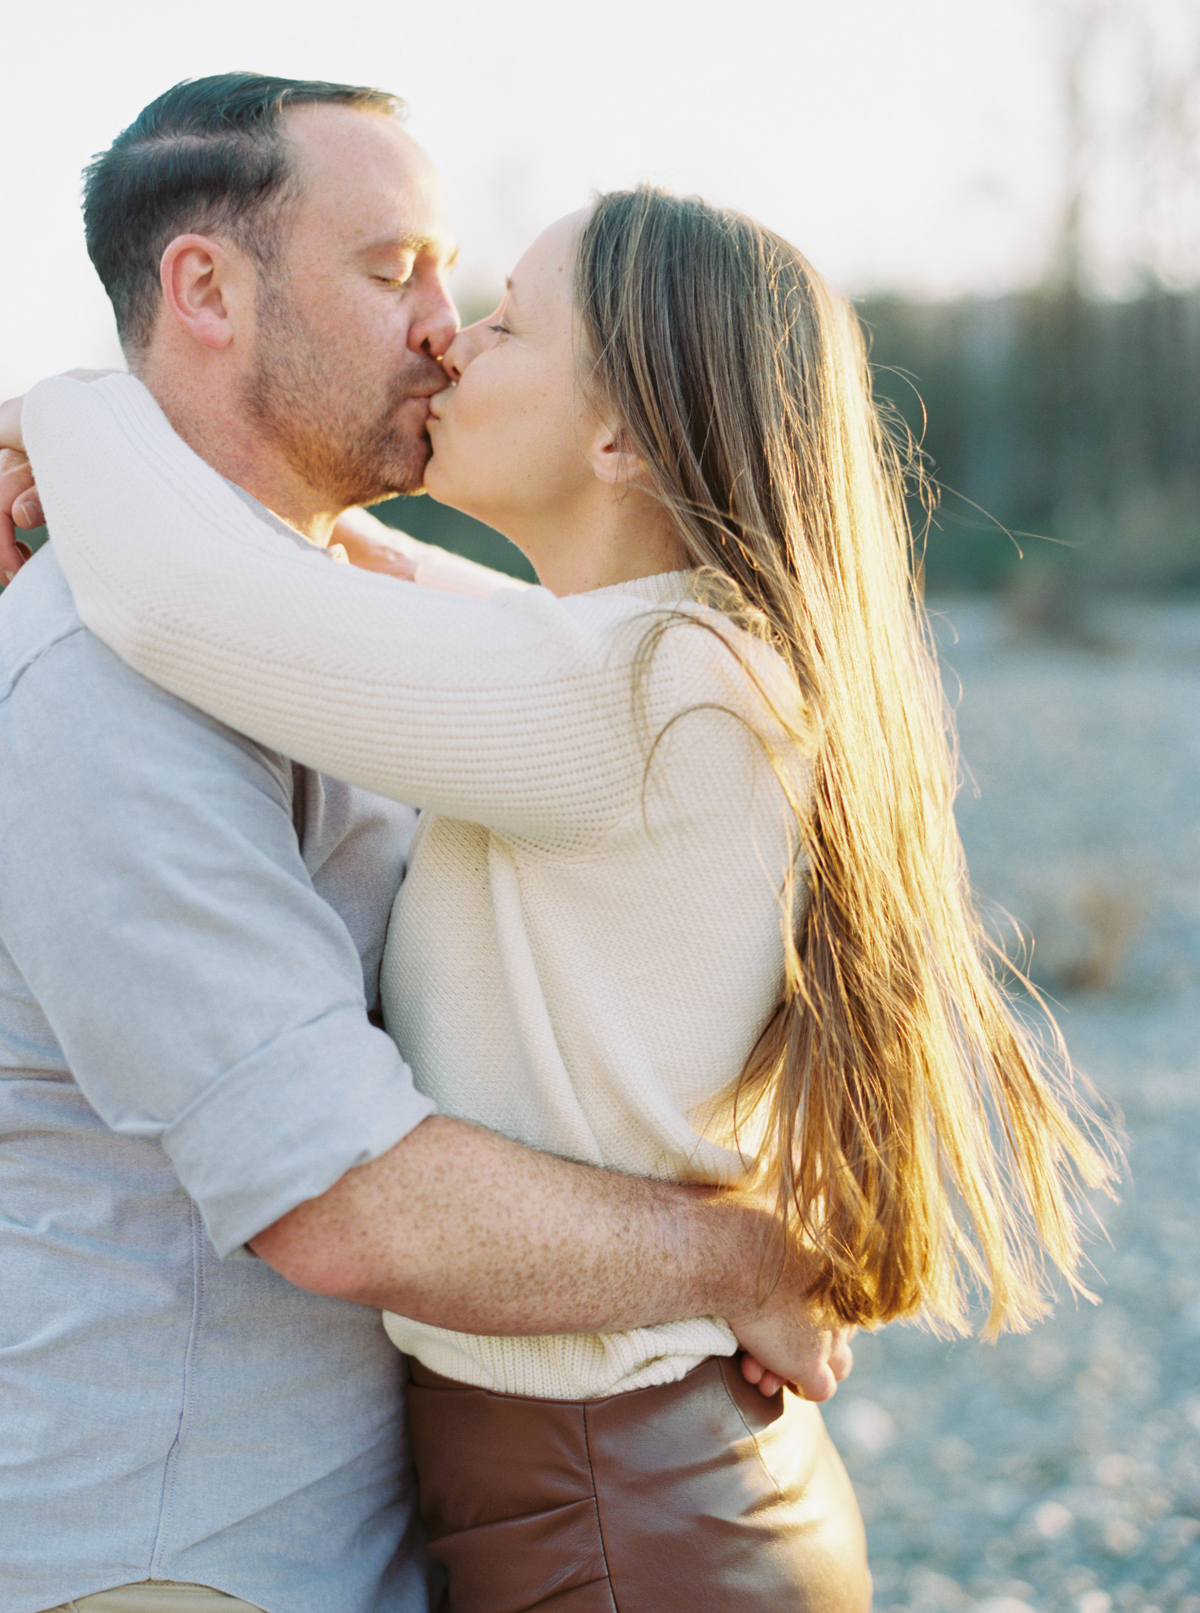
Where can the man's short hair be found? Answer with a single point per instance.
(209, 156)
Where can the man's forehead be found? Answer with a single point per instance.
(361, 170)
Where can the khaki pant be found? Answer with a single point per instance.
(157, 1596)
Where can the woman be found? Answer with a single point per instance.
(689, 816)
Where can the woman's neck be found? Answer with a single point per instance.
(630, 538)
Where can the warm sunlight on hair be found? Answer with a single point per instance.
(916, 1132)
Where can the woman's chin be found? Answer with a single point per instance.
(436, 494)
(438, 486)
(442, 490)
(440, 493)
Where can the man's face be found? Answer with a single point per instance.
(351, 322)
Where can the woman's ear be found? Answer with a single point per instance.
(198, 277)
(614, 458)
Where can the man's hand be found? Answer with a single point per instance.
(830, 1362)
(788, 1341)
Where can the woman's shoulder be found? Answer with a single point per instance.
(680, 652)
(714, 657)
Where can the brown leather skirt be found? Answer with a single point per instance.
(700, 1496)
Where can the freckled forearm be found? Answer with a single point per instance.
(463, 1229)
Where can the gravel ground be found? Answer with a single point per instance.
(1061, 1469)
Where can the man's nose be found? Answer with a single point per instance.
(435, 328)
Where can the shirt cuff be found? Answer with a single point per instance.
(285, 1123)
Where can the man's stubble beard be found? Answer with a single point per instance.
(306, 405)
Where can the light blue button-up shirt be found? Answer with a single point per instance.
(184, 1056)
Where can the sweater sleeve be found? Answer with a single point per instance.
(515, 712)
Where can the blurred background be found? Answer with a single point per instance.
(1010, 191)
(1009, 188)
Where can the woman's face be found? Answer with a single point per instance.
(510, 440)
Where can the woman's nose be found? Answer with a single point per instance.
(433, 329)
(462, 350)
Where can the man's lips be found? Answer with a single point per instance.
(419, 409)
(421, 388)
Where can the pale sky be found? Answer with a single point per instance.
(915, 147)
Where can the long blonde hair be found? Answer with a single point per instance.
(920, 1140)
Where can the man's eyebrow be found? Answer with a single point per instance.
(412, 243)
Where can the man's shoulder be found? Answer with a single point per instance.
(61, 686)
(37, 613)
(71, 703)
(46, 649)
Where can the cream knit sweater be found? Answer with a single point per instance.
(586, 946)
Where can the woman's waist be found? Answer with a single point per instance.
(565, 1366)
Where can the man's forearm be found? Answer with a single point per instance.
(463, 1229)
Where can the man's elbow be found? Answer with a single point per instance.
(318, 1258)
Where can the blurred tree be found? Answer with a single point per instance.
(1127, 81)
(1062, 427)
(1064, 421)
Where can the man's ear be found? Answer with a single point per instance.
(201, 286)
(613, 456)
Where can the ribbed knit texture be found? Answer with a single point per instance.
(588, 942)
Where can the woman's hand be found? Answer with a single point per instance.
(10, 424)
(372, 554)
(20, 506)
(19, 502)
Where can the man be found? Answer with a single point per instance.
(213, 1167)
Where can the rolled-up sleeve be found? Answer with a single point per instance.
(154, 898)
